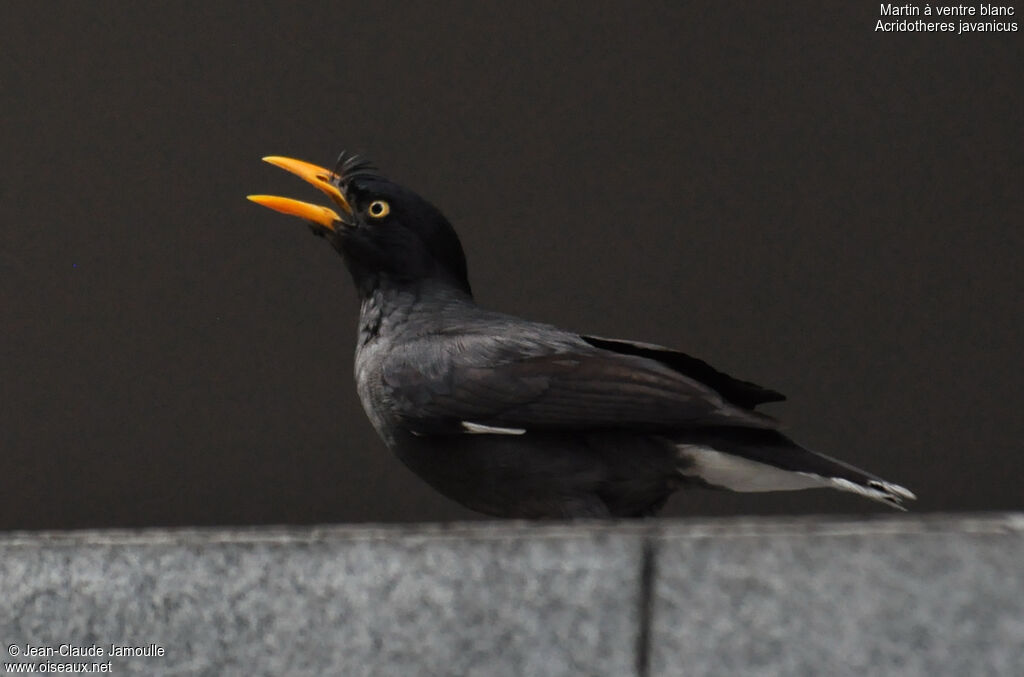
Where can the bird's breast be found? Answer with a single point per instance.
(369, 385)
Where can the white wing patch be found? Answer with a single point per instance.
(481, 429)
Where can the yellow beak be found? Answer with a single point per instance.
(319, 177)
(324, 216)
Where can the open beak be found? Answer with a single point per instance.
(319, 177)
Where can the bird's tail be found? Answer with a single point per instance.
(742, 459)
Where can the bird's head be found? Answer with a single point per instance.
(388, 235)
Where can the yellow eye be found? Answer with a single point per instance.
(379, 209)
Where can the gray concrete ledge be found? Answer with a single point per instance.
(938, 595)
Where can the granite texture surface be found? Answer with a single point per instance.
(335, 602)
(901, 597)
(907, 596)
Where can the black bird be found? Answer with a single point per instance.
(521, 419)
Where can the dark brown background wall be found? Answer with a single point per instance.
(774, 187)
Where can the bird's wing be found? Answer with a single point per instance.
(488, 384)
(741, 393)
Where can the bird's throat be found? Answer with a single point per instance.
(393, 311)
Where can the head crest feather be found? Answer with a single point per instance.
(351, 166)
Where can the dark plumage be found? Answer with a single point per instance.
(522, 419)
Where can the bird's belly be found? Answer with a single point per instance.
(545, 475)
